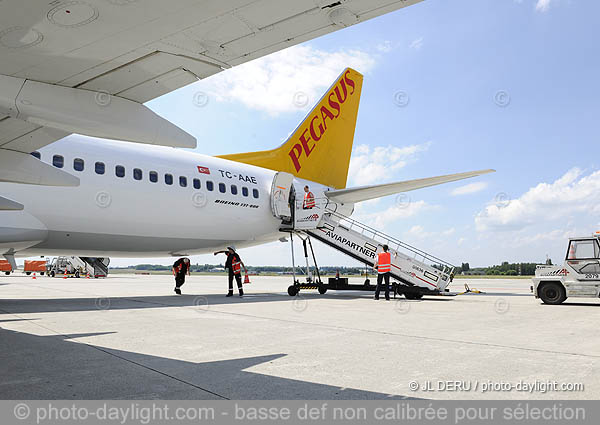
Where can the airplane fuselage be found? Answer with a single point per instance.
(137, 200)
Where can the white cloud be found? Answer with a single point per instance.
(469, 188)
(384, 47)
(274, 82)
(572, 194)
(419, 232)
(417, 43)
(380, 219)
(542, 5)
(373, 165)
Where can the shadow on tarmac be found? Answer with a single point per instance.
(46, 305)
(52, 367)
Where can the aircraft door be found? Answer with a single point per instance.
(280, 195)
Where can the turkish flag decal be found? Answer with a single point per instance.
(203, 170)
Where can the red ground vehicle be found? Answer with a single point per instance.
(5, 267)
(37, 266)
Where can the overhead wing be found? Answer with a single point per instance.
(88, 66)
(364, 193)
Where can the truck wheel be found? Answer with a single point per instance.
(292, 291)
(6, 273)
(42, 273)
(552, 293)
(27, 273)
(322, 289)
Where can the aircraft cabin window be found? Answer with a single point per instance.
(196, 183)
(169, 179)
(244, 191)
(36, 154)
(210, 186)
(234, 189)
(100, 168)
(120, 171)
(58, 161)
(153, 175)
(137, 174)
(182, 181)
(255, 193)
(222, 187)
(78, 164)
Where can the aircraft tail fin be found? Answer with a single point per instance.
(320, 147)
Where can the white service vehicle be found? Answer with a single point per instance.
(578, 276)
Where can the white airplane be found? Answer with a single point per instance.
(142, 201)
(67, 84)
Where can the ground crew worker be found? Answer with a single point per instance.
(309, 199)
(234, 266)
(181, 267)
(384, 268)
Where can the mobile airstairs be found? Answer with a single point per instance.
(414, 272)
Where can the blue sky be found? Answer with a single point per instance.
(504, 84)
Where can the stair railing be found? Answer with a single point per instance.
(393, 243)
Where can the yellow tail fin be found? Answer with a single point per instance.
(319, 149)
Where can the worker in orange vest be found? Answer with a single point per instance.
(383, 267)
(309, 199)
(234, 266)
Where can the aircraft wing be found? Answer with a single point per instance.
(87, 67)
(364, 193)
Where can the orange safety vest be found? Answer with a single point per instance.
(236, 266)
(384, 262)
(309, 200)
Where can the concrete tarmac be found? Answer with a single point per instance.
(131, 337)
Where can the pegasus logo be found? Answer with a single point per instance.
(330, 109)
